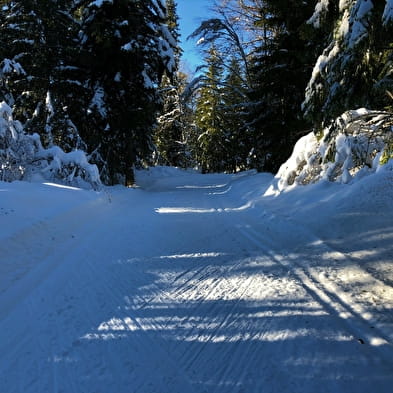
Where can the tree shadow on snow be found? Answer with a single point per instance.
(211, 322)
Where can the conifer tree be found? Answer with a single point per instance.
(37, 51)
(276, 56)
(355, 68)
(169, 133)
(234, 107)
(126, 49)
(280, 70)
(211, 149)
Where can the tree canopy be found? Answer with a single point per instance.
(104, 77)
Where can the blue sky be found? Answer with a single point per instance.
(191, 13)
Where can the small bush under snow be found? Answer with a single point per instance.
(22, 157)
(355, 144)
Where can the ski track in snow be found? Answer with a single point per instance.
(186, 285)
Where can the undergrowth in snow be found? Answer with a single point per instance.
(358, 143)
(22, 157)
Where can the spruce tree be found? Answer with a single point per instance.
(126, 48)
(234, 107)
(169, 133)
(280, 69)
(211, 149)
(37, 51)
(271, 41)
(355, 68)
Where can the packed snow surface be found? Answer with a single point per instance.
(197, 283)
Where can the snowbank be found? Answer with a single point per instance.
(358, 143)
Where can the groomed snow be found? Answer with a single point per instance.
(197, 283)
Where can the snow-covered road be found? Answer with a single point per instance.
(191, 283)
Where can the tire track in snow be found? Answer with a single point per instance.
(125, 321)
(163, 293)
(89, 361)
(206, 329)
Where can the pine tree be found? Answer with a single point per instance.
(271, 41)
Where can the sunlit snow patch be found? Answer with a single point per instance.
(182, 210)
(195, 255)
(196, 186)
(62, 186)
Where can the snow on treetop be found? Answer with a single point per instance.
(8, 66)
(388, 12)
(320, 8)
(358, 19)
(5, 110)
(99, 3)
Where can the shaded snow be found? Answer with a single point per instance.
(9, 66)
(359, 22)
(99, 3)
(388, 12)
(320, 8)
(98, 101)
(197, 283)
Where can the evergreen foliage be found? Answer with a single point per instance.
(224, 141)
(23, 157)
(355, 68)
(357, 143)
(170, 136)
(103, 76)
(127, 48)
(211, 149)
(234, 114)
(37, 51)
(84, 75)
(275, 59)
(280, 68)
(285, 74)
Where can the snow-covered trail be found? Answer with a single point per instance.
(181, 286)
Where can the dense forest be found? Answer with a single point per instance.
(90, 90)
